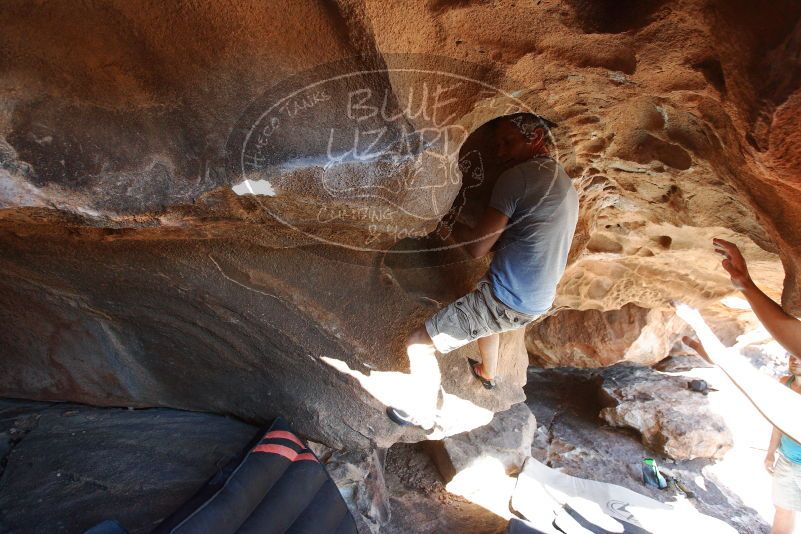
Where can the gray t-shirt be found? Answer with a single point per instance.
(531, 254)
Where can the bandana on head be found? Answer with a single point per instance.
(526, 127)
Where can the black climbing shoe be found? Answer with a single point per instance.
(489, 384)
(399, 417)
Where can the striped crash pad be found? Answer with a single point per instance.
(276, 486)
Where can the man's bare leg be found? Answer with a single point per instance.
(419, 336)
(488, 347)
(425, 373)
(783, 521)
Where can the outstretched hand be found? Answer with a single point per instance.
(734, 263)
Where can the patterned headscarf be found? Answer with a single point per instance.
(527, 123)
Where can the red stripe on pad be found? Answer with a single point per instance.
(283, 434)
(287, 452)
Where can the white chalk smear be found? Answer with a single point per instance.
(735, 303)
(254, 187)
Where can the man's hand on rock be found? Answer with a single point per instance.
(734, 263)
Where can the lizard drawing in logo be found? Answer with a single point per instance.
(620, 509)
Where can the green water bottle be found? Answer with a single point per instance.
(651, 475)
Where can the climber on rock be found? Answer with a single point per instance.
(532, 214)
(786, 329)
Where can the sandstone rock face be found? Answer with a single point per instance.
(420, 502)
(480, 465)
(507, 439)
(200, 211)
(593, 338)
(671, 418)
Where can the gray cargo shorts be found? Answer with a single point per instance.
(477, 314)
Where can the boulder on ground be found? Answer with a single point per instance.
(506, 439)
(671, 418)
(594, 338)
(169, 237)
(480, 465)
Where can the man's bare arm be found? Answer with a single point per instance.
(784, 328)
(478, 241)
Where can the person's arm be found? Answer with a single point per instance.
(478, 241)
(507, 191)
(775, 440)
(784, 328)
(779, 405)
(770, 458)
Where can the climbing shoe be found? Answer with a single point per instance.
(399, 417)
(489, 384)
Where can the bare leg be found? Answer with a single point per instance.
(419, 337)
(424, 369)
(488, 346)
(783, 521)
